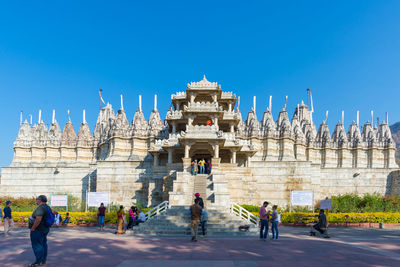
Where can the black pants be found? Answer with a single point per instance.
(318, 228)
(203, 227)
(39, 244)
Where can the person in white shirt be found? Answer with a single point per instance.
(275, 222)
(141, 218)
(57, 218)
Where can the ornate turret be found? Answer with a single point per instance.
(25, 135)
(103, 125)
(323, 138)
(339, 137)
(252, 124)
(354, 135)
(68, 137)
(268, 125)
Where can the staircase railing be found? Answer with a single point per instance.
(244, 214)
(157, 210)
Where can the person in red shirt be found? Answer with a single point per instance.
(101, 214)
(209, 123)
(264, 218)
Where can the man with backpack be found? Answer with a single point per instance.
(39, 223)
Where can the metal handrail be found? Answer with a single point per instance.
(244, 214)
(157, 210)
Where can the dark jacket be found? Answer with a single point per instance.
(201, 203)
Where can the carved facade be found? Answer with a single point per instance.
(149, 161)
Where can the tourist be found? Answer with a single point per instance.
(202, 162)
(204, 219)
(120, 221)
(322, 222)
(57, 218)
(132, 216)
(8, 221)
(1, 214)
(264, 219)
(67, 219)
(101, 215)
(142, 217)
(274, 222)
(208, 123)
(195, 217)
(39, 230)
(209, 167)
(195, 167)
(201, 203)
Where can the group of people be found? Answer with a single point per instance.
(201, 167)
(267, 217)
(39, 223)
(198, 215)
(135, 217)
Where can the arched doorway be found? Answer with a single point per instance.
(201, 150)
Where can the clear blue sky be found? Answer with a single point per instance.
(56, 54)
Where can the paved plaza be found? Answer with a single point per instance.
(89, 247)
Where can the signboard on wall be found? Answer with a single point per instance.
(94, 199)
(59, 201)
(302, 198)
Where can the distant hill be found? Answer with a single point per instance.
(395, 128)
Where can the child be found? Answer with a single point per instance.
(67, 219)
(275, 222)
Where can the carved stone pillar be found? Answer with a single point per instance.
(174, 127)
(230, 107)
(192, 97)
(234, 156)
(155, 159)
(178, 105)
(232, 127)
(170, 155)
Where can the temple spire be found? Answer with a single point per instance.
(372, 118)
(30, 118)
(387, 118)
(155, 102)
(40, 116)
(140, 102)
(254, 103)
(326, 116)
(343, 117)
(122, 103)
(84, 116)
(238, 106)
(53, 119)
(270, 103)
(20, 117)
(358, 117)
(69, 118)
(286, 98)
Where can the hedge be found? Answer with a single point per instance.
(76, 217)
(368, 217)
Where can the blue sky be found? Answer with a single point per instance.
(57, 54)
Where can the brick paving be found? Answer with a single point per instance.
(89, 247)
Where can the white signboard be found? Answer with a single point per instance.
(96, 198)
(302, 198)
(325, 204)
(59, 201)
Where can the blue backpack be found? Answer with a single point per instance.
(50, 218)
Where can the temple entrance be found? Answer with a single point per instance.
(201, 151)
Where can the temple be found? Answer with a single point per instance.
(252, 160)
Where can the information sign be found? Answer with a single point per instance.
(96, 198)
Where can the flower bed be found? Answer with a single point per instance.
(368, 217)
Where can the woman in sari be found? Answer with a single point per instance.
(120, 221)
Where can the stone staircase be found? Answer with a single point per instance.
(200, 186)
(176, 221)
